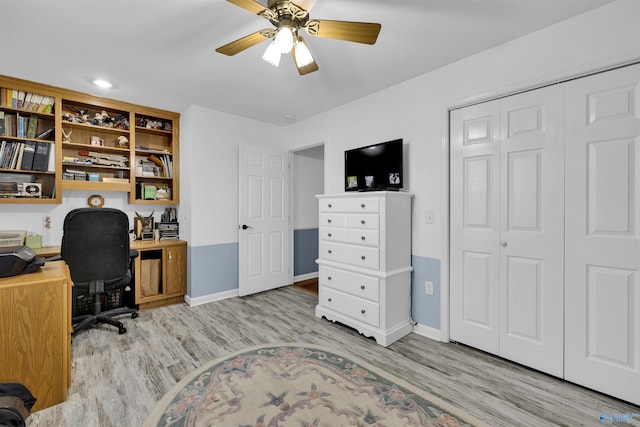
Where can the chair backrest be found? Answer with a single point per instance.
(95, 245)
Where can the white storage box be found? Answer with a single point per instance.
(12, 237)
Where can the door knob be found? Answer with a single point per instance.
(503, 243)
(245, 226)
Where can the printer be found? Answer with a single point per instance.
(16, 260)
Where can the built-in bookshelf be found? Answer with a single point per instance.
(90, 143)
(27, 143)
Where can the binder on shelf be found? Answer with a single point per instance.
(41, 157)
(51, 165)
(28, 154)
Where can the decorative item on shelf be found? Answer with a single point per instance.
(32, 189)
(95, 201)
(97, 141)
(123, 141)
(66, 137)
(143, 226)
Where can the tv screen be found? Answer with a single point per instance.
(374, 167)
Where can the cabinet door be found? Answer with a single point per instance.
(175, 261)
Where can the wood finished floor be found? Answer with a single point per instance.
(117, 379)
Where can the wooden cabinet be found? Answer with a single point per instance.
(94, 144)
(35, 314)
(365, 263)
(160, 272)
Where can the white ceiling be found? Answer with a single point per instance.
(161, 53)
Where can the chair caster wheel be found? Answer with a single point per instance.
(122, 330)
(134, 315)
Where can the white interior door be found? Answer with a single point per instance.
(602, 317)
(507, 228)
(532, 229)
(264, 243)
(474, 225)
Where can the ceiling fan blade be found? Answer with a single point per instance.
(244, 43)
(250, 5)
(359, 32)
(305, 69)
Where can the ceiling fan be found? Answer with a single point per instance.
(290, 19)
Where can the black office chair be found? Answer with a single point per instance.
(95, 246)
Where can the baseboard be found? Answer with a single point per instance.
(429, 332)
(303, 277)
(192, 302)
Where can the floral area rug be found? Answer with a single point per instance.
(299, 385)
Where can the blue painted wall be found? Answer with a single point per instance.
(425, 309)
(213, 269)
(305, 251)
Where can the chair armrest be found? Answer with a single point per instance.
(133, 253)
(53, 258)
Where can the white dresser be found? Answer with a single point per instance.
(365, 262)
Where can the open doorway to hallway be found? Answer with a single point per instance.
(307, 181)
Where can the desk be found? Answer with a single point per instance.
(35, 332)
(172, 259)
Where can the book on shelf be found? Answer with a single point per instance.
(11, 154)
(27, 156)
(2, 123)
(46, 134)
(41, 157)
(51, 164)
(32, 126)
(115, 180)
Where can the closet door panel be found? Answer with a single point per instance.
(532, 229)
(475, 166)
(602, 318)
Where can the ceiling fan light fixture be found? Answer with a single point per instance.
(272, 54)
(284, 39)
(302, 54)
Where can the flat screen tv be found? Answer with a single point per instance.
(374, 167)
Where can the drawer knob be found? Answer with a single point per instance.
(329, 221)
(361, 222)
(363, 257)
(363, 238)
(329, 251)
(363, 311)
(362, 205)
(329, 299)
(329, 234)
(330, 205)
(329, 278)
(361, 286)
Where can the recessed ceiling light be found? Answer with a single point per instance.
(102, 83)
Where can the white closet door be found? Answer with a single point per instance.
(507, 228)
(602, 317)
(475, 168)
(532, 229)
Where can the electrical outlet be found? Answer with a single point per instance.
(428, 287)
(429, 217)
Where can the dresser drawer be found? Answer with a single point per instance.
(363, 257)
(363, 221)
(333, 220)
(364, 237)
(350, 283)
(332, 234)
(350, 205)
(354, 307)
(333, 251)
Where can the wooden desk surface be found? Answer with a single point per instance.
(135, 244)
(35, 314)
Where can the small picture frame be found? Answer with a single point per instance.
(394, 178)
(369, 181)
(352, 182)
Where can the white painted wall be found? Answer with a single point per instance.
(209, 170)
